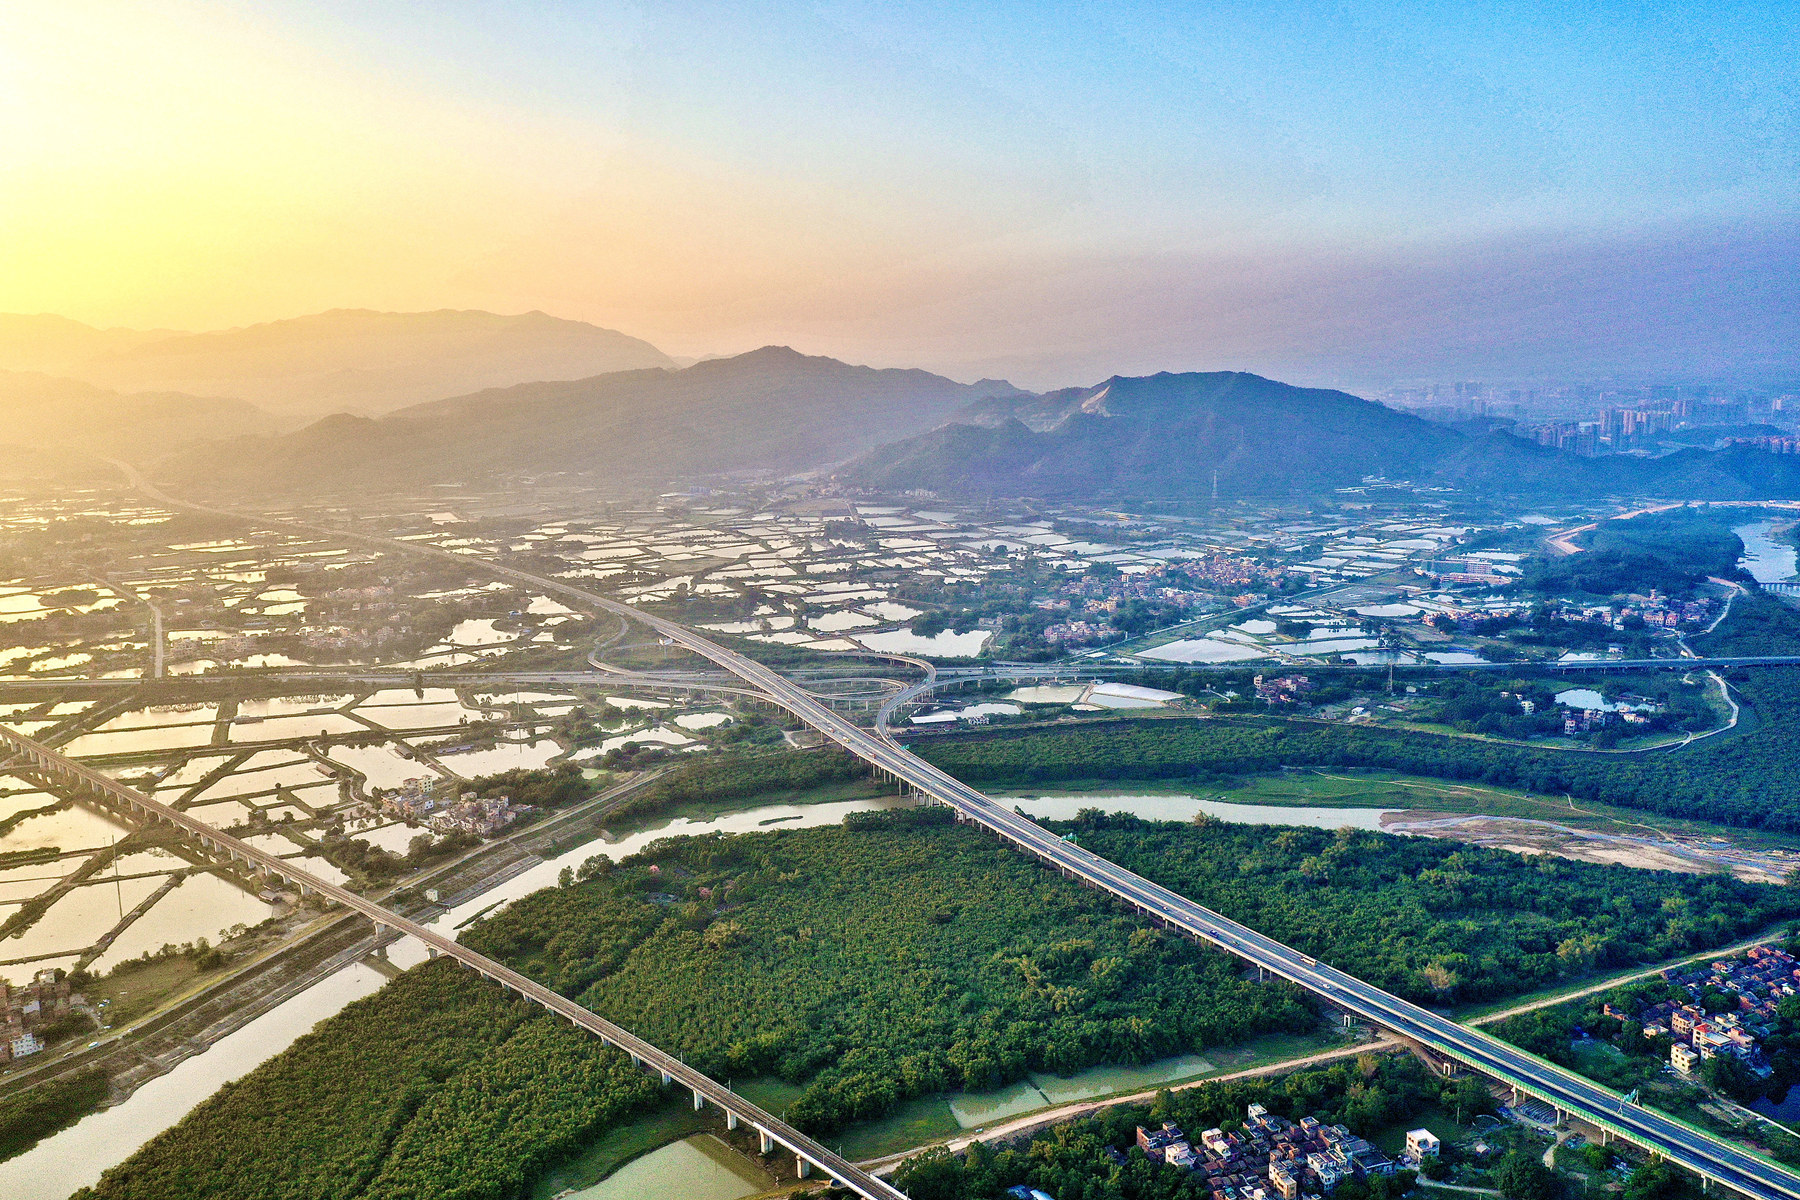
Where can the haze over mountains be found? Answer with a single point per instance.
(1162, 435)
(1172, 435)
(533, 395)
(346, 360)
(772, 410)
(45, 411)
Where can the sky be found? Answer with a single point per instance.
(1345, 193)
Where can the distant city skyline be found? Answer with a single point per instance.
(1358, 196)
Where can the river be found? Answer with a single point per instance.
(1767, 560)
(76, 1156)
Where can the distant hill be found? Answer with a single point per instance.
(1172, 435)
(44, 411)
(41, 342)
(344, 360)
(1163, 435)
(772, 410)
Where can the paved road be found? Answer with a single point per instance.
(1707, 1156)
(34, 758)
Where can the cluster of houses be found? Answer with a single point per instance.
(1273, 1156)
(440, 804)
(1587, 720)
(29, 1008)
(1282, 689)
(1081, 633)
(1656, 610)
(417, 799)
(482, 815)
(1760, 981)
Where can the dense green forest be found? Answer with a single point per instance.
(1432, 920)
(440, 1085)
(1758, 623)
(1669, 551)
(1749, 777)
(892, 957)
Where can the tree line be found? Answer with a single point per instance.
(1748, 777)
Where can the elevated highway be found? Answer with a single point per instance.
(46, 767)
(1711, 1158)
(942, 676)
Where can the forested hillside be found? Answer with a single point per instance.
(1671, 552)
(1758, 623)
(1749, 777)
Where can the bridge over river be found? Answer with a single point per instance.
(45, 767)
(1713, 1159)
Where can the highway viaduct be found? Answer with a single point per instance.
(944, 675)
(46, 767)
(1711, 1158)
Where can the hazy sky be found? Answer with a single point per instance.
(1351, 193)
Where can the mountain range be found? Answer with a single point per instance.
(346, 360)
(1190, 435)
(533, 395)
(46, 412)
(1161, 435)
(769, 411)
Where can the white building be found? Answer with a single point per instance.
(1422, 1143)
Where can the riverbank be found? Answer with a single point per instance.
(1500, 818)
(192, 1017)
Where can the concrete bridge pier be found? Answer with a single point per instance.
(667, 1079)
(803, 1166)
(731, 1119)
(764, 1143)
(699, 1100)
